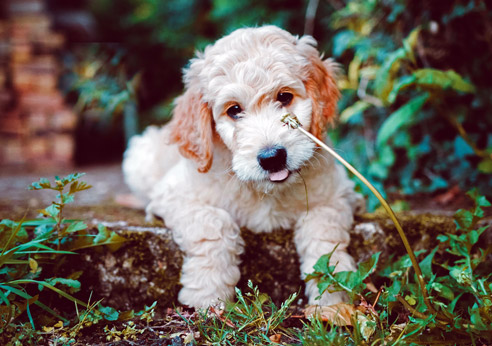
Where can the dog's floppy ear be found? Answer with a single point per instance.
(320, 86)
(192, 128)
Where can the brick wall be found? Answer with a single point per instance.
(36, 127)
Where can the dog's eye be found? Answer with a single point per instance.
(233, 111)
(285, 98)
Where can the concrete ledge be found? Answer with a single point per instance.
(147, 267)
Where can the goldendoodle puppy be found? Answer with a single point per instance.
(227, 161)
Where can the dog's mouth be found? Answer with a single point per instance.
(279, 176)
(273, 159)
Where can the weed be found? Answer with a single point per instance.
(25, 246)
(458, 285)
(410, 118)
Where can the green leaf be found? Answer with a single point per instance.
(473, 237)
(342, 41)
(385, 79)
(410, 42)
(450, 307)
(437, 79)
(386, 156)
(426, 263)
(323, 285)
(66, 198)
(394, 290)
(70, 178)
(42, 184)
(443, 291)
(378, 170)
(431, 80)
(397, 268)
(386, 74)
(323, 263)
(480, 201)
(482, 229)
(463, 219)
(347, 280)
(104, 237)
(8, 223)
(367, 267)
(477, 320)
(356, 108)
(52, 211)
(442, 238)
(403, 116)
(485, 166)
(44, 231)
(76, 226)
(462, 9)
(74, 284)
(403, 83)
(109, 313)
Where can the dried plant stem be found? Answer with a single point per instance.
(294, 123)
(411, 308)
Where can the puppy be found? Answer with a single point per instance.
(227, 161)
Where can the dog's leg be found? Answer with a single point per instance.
(212, 244)
(318, 233)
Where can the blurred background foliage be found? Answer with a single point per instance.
(416, 106)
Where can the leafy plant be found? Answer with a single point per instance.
(406, 109)
(459, 285)
(351, 282)
(27, 245)
(107, 89)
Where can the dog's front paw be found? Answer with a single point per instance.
(208, 281)
(202, 299)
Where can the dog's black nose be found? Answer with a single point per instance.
(272, 159)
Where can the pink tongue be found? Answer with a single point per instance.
(280, 175)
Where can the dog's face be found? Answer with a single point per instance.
(240, 88)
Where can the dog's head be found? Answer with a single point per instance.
(238, 90)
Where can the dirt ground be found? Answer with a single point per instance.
(106, 180)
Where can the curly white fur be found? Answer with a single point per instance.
(201, 173)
